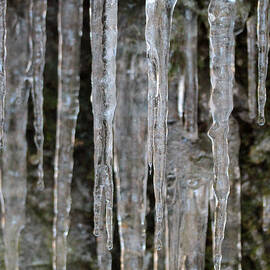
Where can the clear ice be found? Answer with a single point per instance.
(103, 24)
(39, 11)
(221, 17)
(157, 35)
(252, 53)
(14, 165)
(263, 48)
(131, 170)
(70, 30)
(3, 34)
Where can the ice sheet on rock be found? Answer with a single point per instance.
(251, 45)
(130, 129)
(39, 11)
(157, 34)
(14, 157)
(242, 12)
(3, 30)
(103, 24)
(263, 48)
(221, 16)
(191, 72)
(69, 30)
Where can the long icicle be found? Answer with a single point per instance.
(157, 33)
(251, 44)
(3, 34)
(232, 241)
(39, 49)
(191, 72)
(14, 165)
(3, 9)
(221, 16)
(103, 24)
(70, 31)
(263, 48)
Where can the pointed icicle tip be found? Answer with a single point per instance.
(261, 120)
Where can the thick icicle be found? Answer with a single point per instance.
(131, 129)
(70, 31)
(263, 48)
(103, 24)
(221, 16)
(14, 157)
(157, 33)
(39, 49)
(251, 44)
(191, 72)
(3, 7)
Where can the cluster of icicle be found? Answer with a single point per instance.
(103, 20)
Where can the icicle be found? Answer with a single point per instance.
(161, 257)
(191, 72)
(130, 162)
(70, 31)
(189, 177)
(231, 247)
(3, 7)
(103, 20)
(251, 44)
(221, 16)
(103, 254)
(39, 49)
(157, 34)
(263, 48)
(14, 156)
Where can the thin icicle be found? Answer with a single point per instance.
(157, 34)
(130, 163)
(70, 31)
(263, 48)
(103, 23)
(104, 256)
(231, 248)
(14, 166)
(191, 71)
(39, 49)
(251, 44)
(221, 16)
(3, 7)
